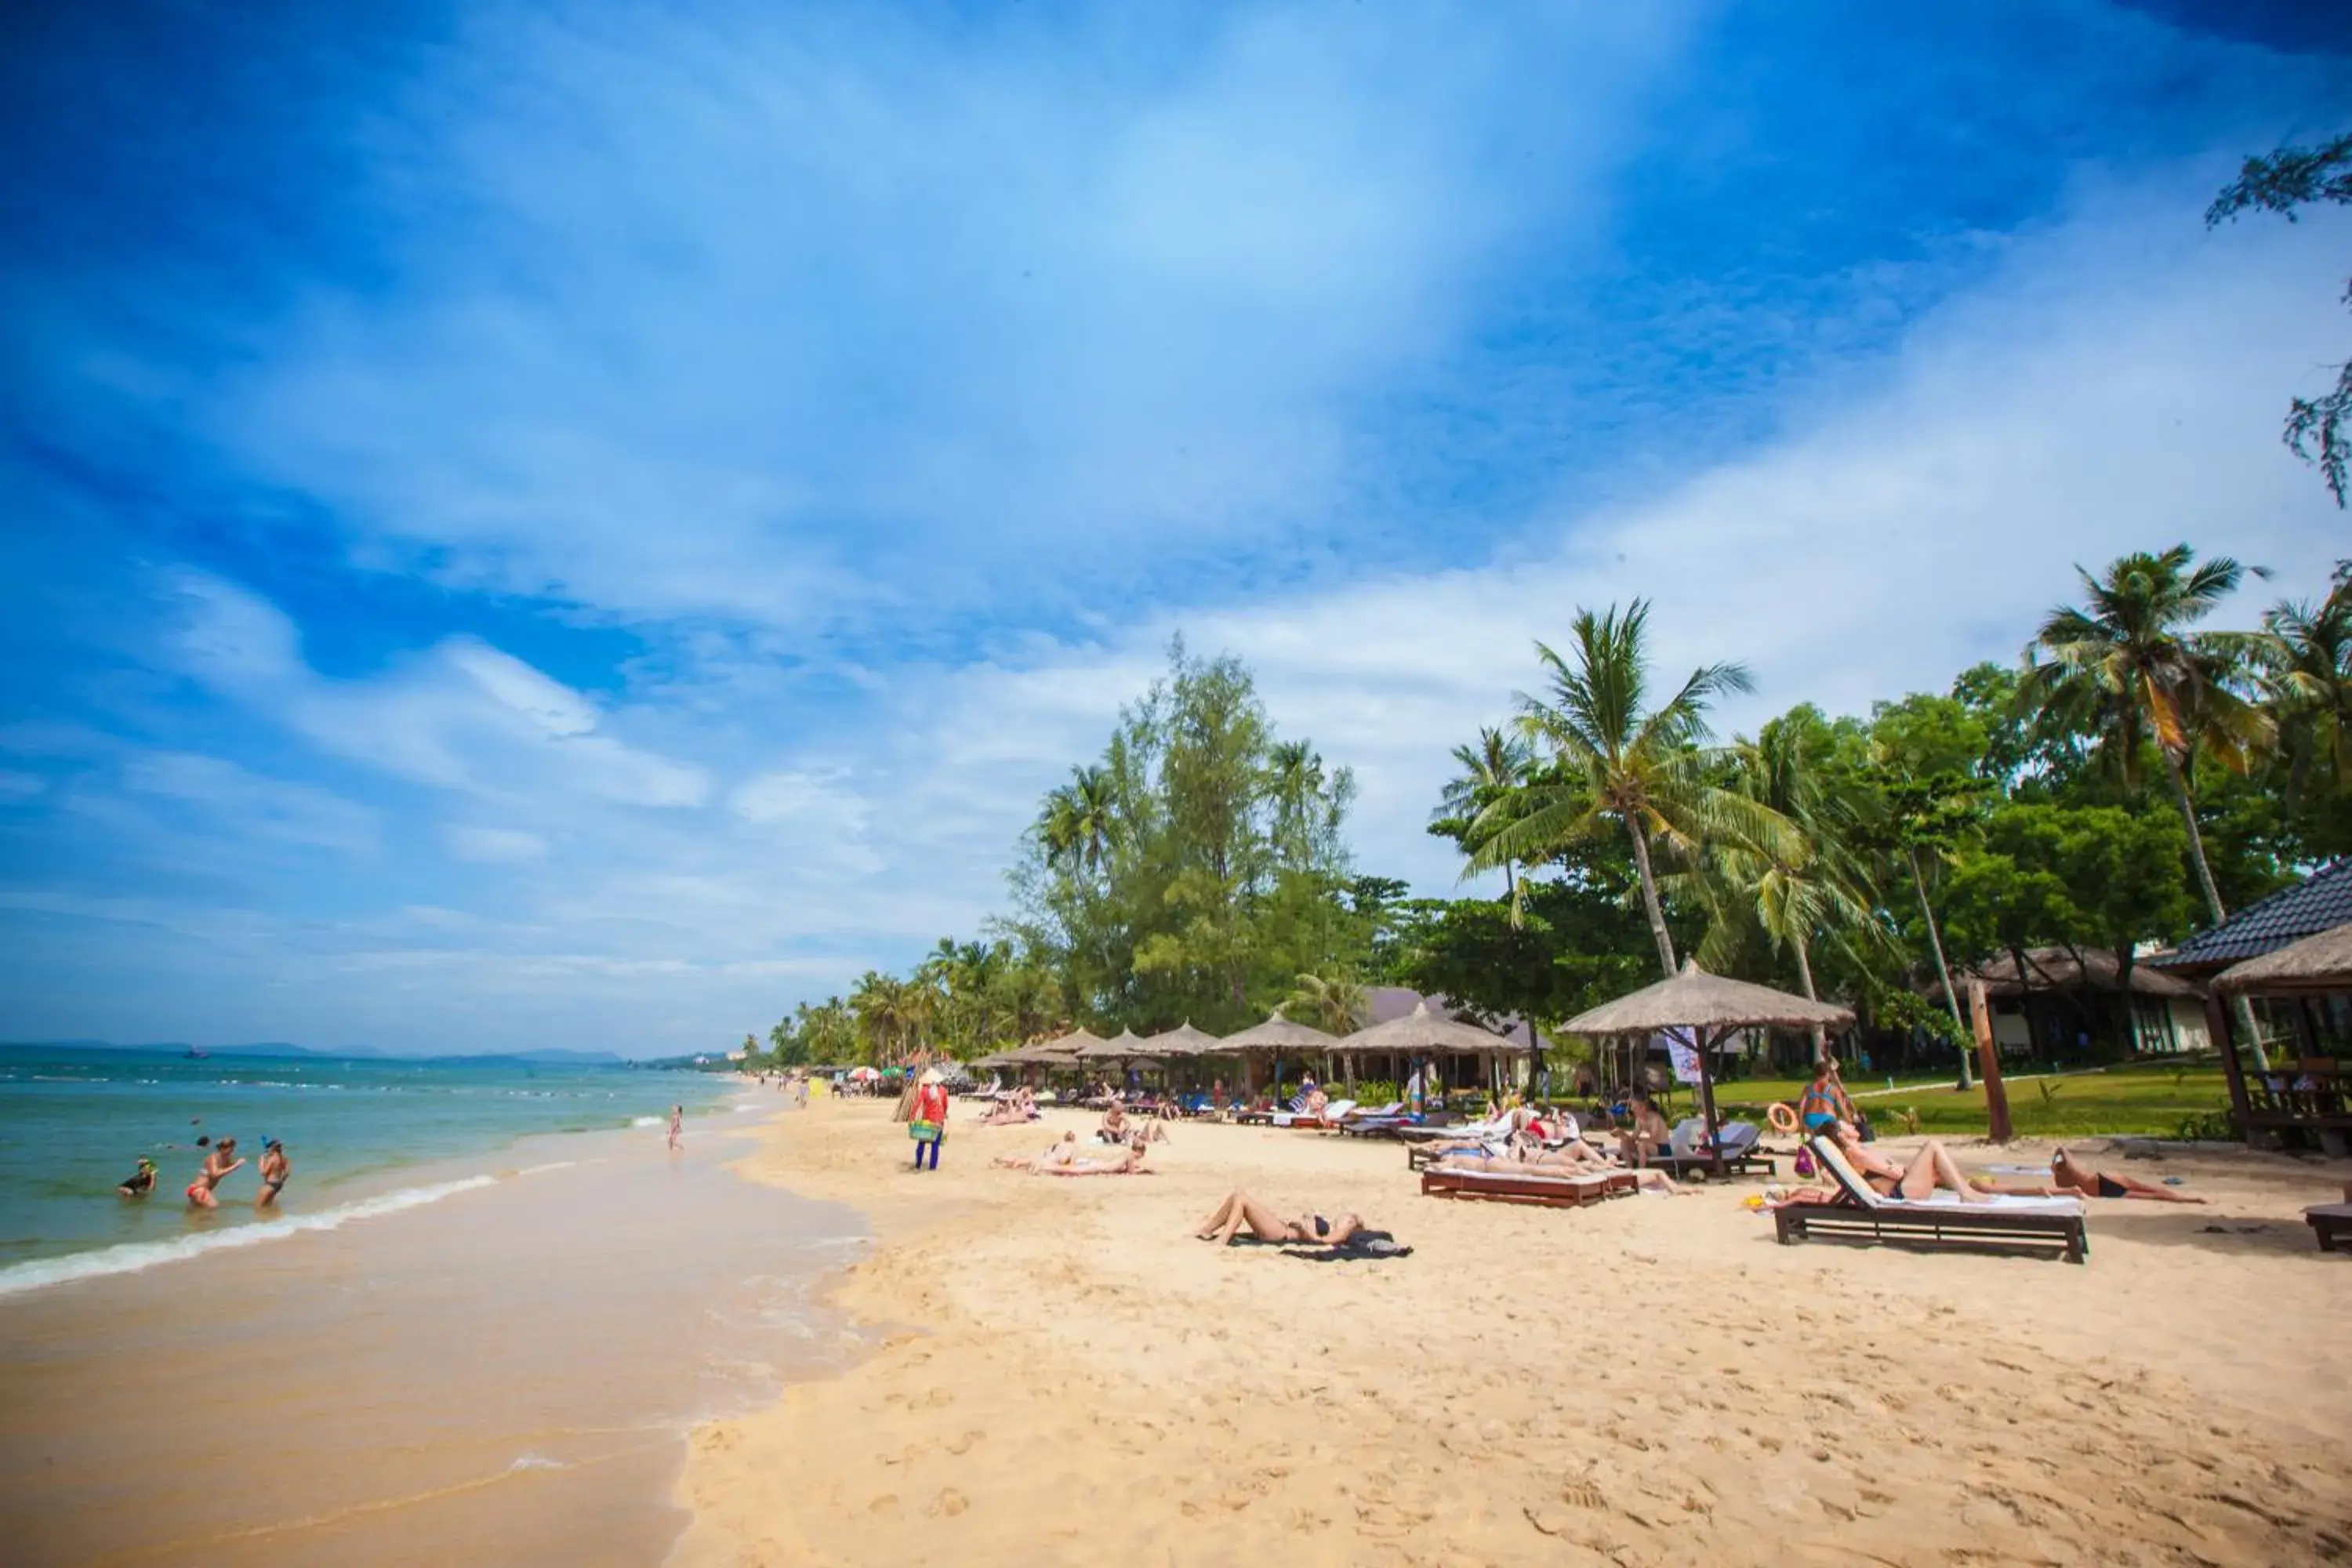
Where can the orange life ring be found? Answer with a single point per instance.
(1782, 1116)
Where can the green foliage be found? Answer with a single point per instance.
(2318, 430)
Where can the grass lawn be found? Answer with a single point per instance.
(2145, 1099)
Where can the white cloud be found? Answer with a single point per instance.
(461, 716)
(494, 845)
(808, 320)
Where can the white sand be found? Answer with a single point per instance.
(1651, 1381)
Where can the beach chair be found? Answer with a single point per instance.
(1510, 1182)
(2328, 1222)
(1293, 1107)
(1333, 1112)
(1737, 1142)
(1943, 1220)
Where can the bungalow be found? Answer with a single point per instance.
(2070, 1003)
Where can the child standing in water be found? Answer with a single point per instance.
(676, 1128)
(274, 1168)
(218, 1166)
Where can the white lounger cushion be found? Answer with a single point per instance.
(1940, 1202)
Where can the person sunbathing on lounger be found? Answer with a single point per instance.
(1649, 1136)
(1932, 1167)
(2068, 1180)
(1241, 1212)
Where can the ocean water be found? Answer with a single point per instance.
(73, 1123)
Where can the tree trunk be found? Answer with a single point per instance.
(1943, 969)
(2247, 1028)
(1805, 973)
(1650, 895)
(2195, 839)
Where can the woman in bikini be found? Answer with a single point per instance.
(1824, 1102)
(2070, 1179)
(1241, 1212)
(274, 1168)
(1932, 1167)
(218, 1166)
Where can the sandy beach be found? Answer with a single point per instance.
(1066, 1375)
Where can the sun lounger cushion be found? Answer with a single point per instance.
(1848, 1181)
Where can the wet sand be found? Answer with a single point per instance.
(1069, 1377)
(503, 1376)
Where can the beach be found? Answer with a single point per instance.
(1065, 1374)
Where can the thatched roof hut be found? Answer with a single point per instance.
(2318, 966)
(1279, 1034)
(1120, 1048)
(2071, 969)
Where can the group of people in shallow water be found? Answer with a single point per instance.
(221, 1162)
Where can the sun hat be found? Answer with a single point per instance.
(935, 1075)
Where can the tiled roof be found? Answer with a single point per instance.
(2321, 901)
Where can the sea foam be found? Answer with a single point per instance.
(131, 1256)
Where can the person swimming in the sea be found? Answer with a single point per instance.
(274, 1168)
(139, 1183)
(218, 1166)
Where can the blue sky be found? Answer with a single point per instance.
(536, 526)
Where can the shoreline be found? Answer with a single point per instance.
(1063, 1373)
(510, 1375)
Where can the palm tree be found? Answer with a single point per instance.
(2305, 658)
(1079, 824)
(1615, 763)
(1797, 884)
(1496, 766)
(1334, 1005)
(2127, 666)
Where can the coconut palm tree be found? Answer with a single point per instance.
(2126, 665)
(2305, 659)
(1492, 768)
(1619, 765)
(1079, 824)
(1333, 1003)
(1797, 885)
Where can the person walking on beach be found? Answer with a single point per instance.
(799, 1091)
(929, 1126)
(676, 1128)
(274, 1168)
(217, 1167)
(1825, 1103)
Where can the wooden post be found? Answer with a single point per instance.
(1707, 1098)
(2216, 1024)
(1988, 1065)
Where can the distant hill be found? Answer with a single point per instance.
(550, 1056)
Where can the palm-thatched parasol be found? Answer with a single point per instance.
(1122, 1046)
(1422, 1033)
(1184, 1040)
(1279, 1033)
(1704, 1010)
(2320, 964)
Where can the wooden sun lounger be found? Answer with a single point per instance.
(2329, 1221)
(2051, 1224)
(1520, 1185)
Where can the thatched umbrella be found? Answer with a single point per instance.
(1422, 1033)
(1277, 1037)
(1184, 1040)
(1705, 1010)
(2318, 966)
(1123, 1047)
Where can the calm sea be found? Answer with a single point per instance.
(74, 1122)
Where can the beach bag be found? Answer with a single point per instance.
(923, 1132)
(1804, 1161)
(1862, 1125)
